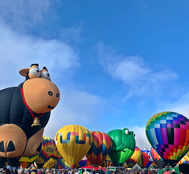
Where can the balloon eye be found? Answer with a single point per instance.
(126, 132)
(50, 93)
(57, 95)
(34, 72)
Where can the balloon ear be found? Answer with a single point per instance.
(24, 72)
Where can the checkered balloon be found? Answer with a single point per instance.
(168, 133)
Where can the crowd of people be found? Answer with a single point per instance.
(182, 169)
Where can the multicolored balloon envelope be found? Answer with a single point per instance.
(73, 142)
(100, 148)
(168, 133)
(155, 155)
(49, 149)
(146, 158)
(185, 159)
(135, 158)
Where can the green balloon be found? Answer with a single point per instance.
(123, 145)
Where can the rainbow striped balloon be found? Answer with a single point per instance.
(135, 158)
(100, 148)
(168, 133)
(49, 149)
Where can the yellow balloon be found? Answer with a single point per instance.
(73, 142)
(28, 159)
(136, 157)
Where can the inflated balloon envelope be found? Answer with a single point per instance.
(123, 146)
(49, 149)
(185, 159)
(100, 148)
(25, 111)
(73, 142)
(135, 158)
(168, 133)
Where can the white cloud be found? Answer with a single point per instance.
(140, 137)
(133, 72)
(180, 106)
(22, 13)
(129, 70)
(18, 51)
(38, 17)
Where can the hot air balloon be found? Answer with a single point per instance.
(185, 159)
(146, 159)
(123, 145)
(25, 111)
(135, 158)
(100, 148)
(60, 164)
(155, 155)
(49, 149)
(73, 142)
(49, 154)
(168, 133)
(26, 161)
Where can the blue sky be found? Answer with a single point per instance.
(116, 62)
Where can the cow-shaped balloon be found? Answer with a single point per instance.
(24, 112)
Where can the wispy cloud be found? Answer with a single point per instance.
(181, 105)
(133, 72)
(18, 51)
(140, 137)
(21, 13)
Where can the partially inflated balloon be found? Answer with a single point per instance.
(135, 158)
(185, 159)
(25, 161)
(60, 164)
(168, 133)
(146, 158)
(100, 148)
(123, 145)
(82, 163)
(51, 163)
(73, 142)
(155, 155)
(49, 149)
